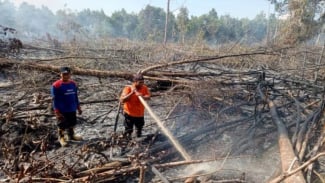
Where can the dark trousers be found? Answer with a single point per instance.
(130, 122)
(68, 122)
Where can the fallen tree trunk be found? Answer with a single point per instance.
(288, 158)
(78, 71)
(218, 57)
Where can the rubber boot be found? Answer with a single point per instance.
(73, 136)
(61, 138)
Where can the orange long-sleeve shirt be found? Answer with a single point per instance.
(133, 105)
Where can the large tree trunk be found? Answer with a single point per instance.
(288, 158)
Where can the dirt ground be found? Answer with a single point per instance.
(96, 125)
(221, 123)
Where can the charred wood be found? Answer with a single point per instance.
(287, 154)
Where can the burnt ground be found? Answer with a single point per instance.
(214, 108)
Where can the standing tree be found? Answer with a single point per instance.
(151, 23)
(68, 25)
(166, 23)
(182, 22)
(211, 25)
(305, 18)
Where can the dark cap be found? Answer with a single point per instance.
(65, 70)
(138, 77)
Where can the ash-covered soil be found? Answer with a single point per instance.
(215, 111)
(31, 134)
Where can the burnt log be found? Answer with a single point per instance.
(287, 155)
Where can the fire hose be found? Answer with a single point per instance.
(170, 136)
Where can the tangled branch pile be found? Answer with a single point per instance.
(240, 114)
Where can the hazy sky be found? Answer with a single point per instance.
(235, 8)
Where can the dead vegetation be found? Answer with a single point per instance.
(243, 115)
(9, 45)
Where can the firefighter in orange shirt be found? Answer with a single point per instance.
(133, 109)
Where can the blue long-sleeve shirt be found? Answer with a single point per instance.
(65, 96)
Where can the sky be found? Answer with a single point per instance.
(234, 8)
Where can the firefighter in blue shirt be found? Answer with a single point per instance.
(65, 105)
